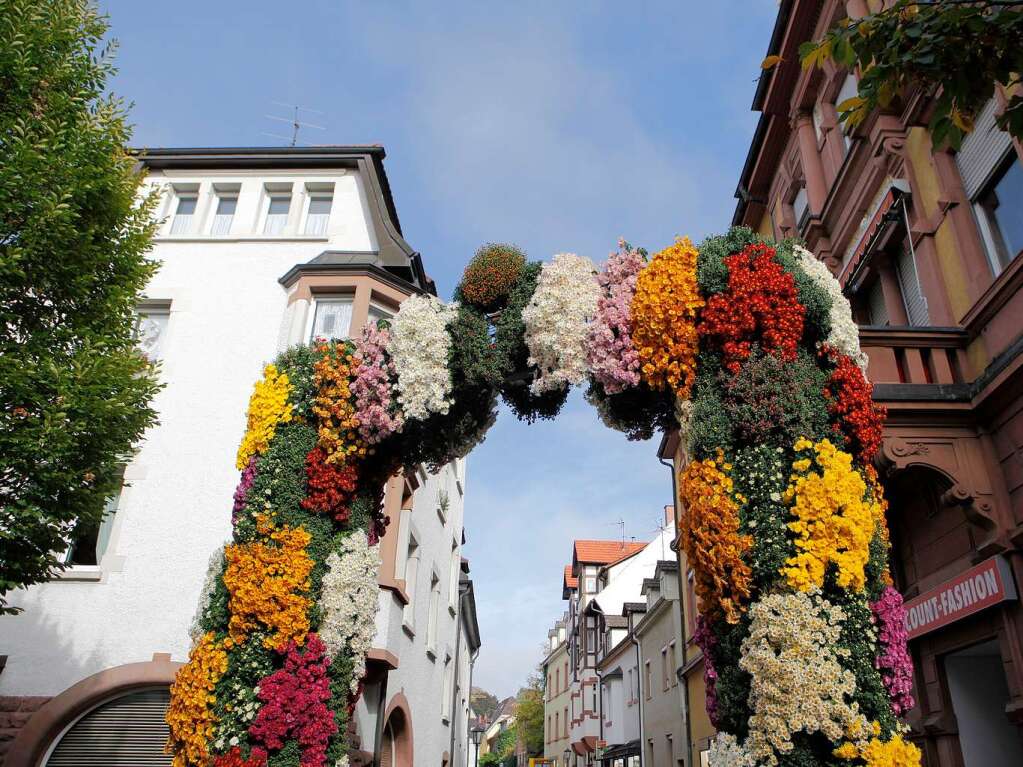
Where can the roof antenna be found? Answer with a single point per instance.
(295, 123)
(621, 524)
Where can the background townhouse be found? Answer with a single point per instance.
(594, 565)
(557, 687)
(260, 249)
(665, 742)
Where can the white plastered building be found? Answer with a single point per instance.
(259, 249)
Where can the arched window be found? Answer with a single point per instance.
(125, 731)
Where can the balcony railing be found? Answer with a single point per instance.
(916, 355)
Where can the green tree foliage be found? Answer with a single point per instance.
(503, 750)
(529, 715)
(483, 703)
(74, 391)
(960, 49)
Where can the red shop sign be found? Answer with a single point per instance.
(978, 588)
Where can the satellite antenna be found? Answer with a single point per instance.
(295, 123)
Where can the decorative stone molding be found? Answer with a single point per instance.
(959, 460)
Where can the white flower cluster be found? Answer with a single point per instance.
(556, 321)
(798, 684)
(214, 570)
(419, 348)
(725, 751)
(844, 335)
(348, 601)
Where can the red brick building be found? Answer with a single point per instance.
(927, 246)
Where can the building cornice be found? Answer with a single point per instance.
(367, 160)
(295, 273)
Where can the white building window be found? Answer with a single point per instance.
(88, 542)
(431, 626)
(445, 703)
(223, 218)
(277, 208)
(332, 318)
(456, 568)
(411, 575)
(378, 312)
(151, 330)
(184, 210)
(318, 213)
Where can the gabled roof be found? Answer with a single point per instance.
(604, 552)
(570, 580)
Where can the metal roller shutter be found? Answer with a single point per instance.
(982, 150)
(916, 304)
(128, 731)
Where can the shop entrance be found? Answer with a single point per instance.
(978, 691)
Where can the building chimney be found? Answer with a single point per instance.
(669, 517)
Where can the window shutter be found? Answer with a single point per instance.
(128, 731)
(982, 150)
(876, 306)
(916, 304)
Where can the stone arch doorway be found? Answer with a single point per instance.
(98, 695)
(396, 741)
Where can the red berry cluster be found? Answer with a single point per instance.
(854, 413)
(761, 304)
(331, 485)
(295, 705)
(233, 758)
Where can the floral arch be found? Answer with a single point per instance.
(747, 347)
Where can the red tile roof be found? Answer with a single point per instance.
(605, 552)
(570, 581)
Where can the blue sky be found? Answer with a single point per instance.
(556, 126)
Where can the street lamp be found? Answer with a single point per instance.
(476, 733)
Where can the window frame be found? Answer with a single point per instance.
(317, 191)
(272, 191)
(996, 249)
(222, 192)
(180, 194)
(315, 300)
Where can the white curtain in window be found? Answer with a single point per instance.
(150, 332)
(182, 223)
(277, 215)
(800, 205)
(318, 215)
(333, 318)
(225, 215)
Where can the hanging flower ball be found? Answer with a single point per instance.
(490, 276)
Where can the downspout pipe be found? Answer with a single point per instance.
(686, 721)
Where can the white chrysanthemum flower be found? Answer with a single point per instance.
(348, 602)
(844, 335)
(797, 682)
(213, 571)
(725, 751)
(419, 347)
(556, 321)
